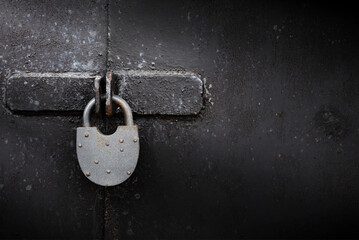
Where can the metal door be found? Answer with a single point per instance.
(272, 151)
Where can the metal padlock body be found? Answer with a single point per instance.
(108, 160)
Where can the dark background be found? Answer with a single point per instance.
(273, 154)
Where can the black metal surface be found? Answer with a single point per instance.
(274, 153)
(43, 193)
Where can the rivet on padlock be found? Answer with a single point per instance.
(107, 159)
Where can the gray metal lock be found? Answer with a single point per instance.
(108, 160)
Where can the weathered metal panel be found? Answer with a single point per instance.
(43, 193)
(274, 153)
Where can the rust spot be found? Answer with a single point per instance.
(135, 180)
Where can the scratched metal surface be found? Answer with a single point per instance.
(272, 155)
(275, 151)
(107, 160)
(43, 193)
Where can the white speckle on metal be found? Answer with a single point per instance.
(92, 33)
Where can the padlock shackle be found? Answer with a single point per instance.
(119, 101)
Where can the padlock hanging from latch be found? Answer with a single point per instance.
(108, 160)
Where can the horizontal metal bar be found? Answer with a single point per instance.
(147, 92)
(161, 92)
(49, 91)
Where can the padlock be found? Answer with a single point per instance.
(108, 160)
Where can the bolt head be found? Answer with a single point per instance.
(87, 134)
(121, 149)
(121, 140)
(88, 174)
(96, 161)
(108, 171)
(128, 172)
(135, 140)
(107, 144)
(80, 145)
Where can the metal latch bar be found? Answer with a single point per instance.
(147, 92)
